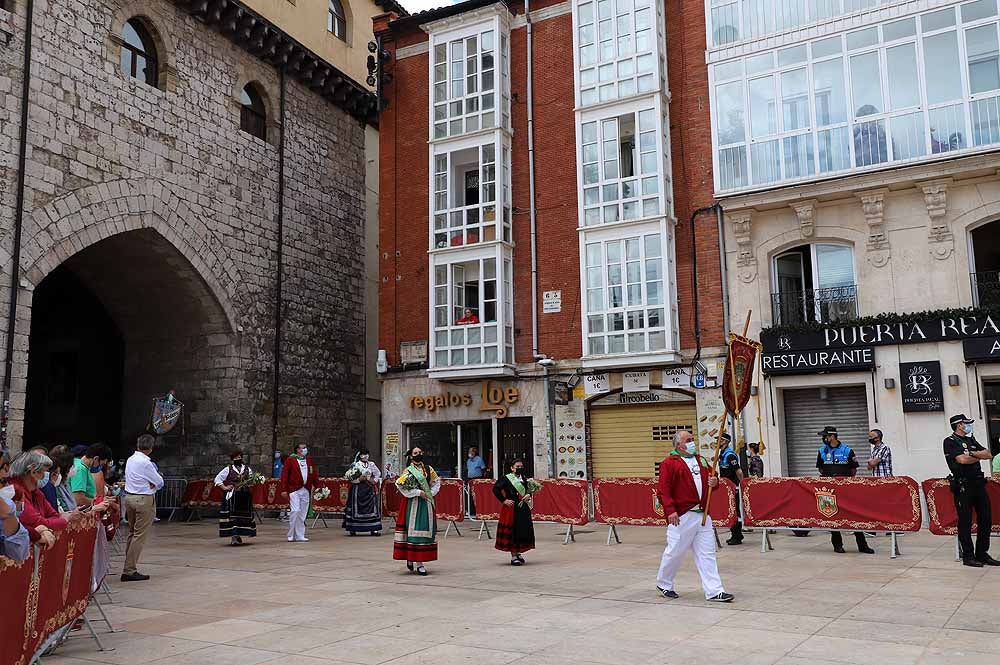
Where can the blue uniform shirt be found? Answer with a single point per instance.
(475, 467)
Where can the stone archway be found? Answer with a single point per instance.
(156, 271)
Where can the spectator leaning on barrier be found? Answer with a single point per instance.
(47, 486)
(14, 540)
(27, 471)
(880, 463)
(62, 459)
(965, 456)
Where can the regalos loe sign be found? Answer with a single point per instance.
(493, 397)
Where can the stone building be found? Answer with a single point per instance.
(856, 159)
(193, 180)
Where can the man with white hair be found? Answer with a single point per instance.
(682, 493)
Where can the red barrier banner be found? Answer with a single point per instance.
(267, 496)
(633, 501)
(42, 602)
(858, 503)
(449, 504)
(487, 506)
(561, 500)
(202, 493)
(391, 498)
(339, 488)
(941, 506)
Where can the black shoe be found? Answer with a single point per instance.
(139, 577)
(839, 549)
(972, 563)
(987, 560)
(421, 570)
(516, 562)
(409, 566)
(667, 593)
(733, 541)
(721, 597)
(376, 533)
(868, 550)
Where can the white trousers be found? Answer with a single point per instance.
(298, 508)
(691, 535)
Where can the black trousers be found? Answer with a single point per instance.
(971, 495)
(736, 532)
(837, 539)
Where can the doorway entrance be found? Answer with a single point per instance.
(991, 397)
(515, 441)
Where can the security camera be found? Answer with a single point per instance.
(546, 362)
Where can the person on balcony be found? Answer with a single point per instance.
(469, 318)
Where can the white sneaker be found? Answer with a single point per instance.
(302, 540)
(291, 540)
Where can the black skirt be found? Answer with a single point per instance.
(236, 516)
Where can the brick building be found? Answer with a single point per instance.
(180, 158)
(536, 230)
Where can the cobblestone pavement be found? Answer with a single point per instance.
(338, 599)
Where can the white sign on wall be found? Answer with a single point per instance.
(551, 302)
(677, 377)
(596, 384)
(635, 382)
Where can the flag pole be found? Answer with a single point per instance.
(725, 421)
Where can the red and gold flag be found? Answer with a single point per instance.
(738, 375)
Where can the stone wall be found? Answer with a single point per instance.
(115, 165)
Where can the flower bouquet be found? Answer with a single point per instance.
(353, 473)
(321, 494)
(250, 481)
(531, 487)
(410, 482)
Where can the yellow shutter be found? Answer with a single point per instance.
(628, 441)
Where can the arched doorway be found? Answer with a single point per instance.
(118, 324)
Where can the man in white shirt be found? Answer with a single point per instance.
(141, 482)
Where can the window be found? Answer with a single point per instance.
(138, 53)
(621, 179)
(736, 20)
(336, 20)
(616, 42)
(626, 295)
(466, 89)
(814, 283)
(467, 196)
(899, 91)
(253, 116)
(473, 322)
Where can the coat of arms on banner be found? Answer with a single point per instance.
(67, 572)
(657, 505)
(738, 373)
(826, 502)
(166, 413)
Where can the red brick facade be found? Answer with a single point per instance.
(404, 181)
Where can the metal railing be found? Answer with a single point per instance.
(986, 288)
(169, 496)
(815, 305)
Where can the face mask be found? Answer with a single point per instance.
(44, 481)
(968, 430)
(519, 471)
(873, 441)
(417, 458)
(691, 448)
(7, 492)
(96, 468)
(72, 472)
(57, 481)
(304, 452)
(364, 458)
(238, 462)
(277, 455)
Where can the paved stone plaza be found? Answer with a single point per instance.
(343, 600)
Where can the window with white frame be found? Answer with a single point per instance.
(621, 168)
(616, 42)
(733, 21)
(473, 313)
(467, 86)
(814, 283)
(626, 295)
(467, 195)
(899, 91)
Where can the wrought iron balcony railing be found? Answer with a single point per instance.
(815, 305)
(986, 288)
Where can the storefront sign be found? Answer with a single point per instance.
(493, 397)
(677, 377)
(596, 384)
(571, 439)
(881, 334)
(411, 353)
(808, 362)
(921, 386)
(551, 302)
(711, 410)
(982, 349)
(635, 382)
(654, 396)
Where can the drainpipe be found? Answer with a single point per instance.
(15, 267)
(277, 290)
(531, 189)
(723, 271)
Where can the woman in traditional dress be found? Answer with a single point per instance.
(515, 532)
(236, 512)
(416, 529)
(363, 514)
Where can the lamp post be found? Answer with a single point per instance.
(546, 363)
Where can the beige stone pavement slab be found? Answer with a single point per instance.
(339, 600)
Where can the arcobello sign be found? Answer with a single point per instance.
(810, 362)
(921, 388)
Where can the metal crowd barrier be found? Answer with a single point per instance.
(169, 496)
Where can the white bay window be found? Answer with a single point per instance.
(470, 199)
(900, 91)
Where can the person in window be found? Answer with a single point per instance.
(468, 318)
(869, 139)
(837, 459)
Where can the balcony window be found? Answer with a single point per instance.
(469, 188)
(814, 283)
(901, 91)
(626, 297)
(739, 20)
(621, 178)
(467, 88)
(986, 265)
(616, 42)
(473, 313)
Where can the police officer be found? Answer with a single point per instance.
(729, 467)
(837, 459)
(965, 456)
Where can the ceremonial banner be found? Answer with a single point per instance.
(487, 506)
(448, 504)
(738, 373)
(856, 503)
(941, 506)
(337, 501)
(166, 413)
(391, 498)
(267, 496)
(633, 501)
